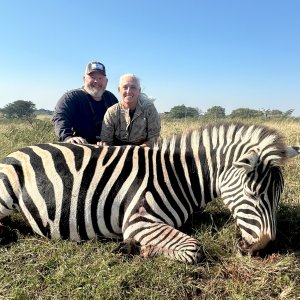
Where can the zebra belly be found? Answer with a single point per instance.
(66, 221)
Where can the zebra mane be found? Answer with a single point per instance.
(264, 138)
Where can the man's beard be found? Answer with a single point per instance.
(94, 92)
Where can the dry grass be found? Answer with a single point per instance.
(37, 268)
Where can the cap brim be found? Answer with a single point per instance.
(99, 71)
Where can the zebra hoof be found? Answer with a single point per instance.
(128, 247)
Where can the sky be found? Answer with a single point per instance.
(200, 53)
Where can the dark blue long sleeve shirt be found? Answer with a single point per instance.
(78, 114)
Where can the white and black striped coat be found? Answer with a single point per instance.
(78, 192)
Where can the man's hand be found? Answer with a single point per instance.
(76, 140)
(101, 144)
(144, 145)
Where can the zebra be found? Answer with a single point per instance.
(142, 195)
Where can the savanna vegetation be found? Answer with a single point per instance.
(32, 267)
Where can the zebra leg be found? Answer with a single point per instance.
(157, 238)
(7, 235)
(8, 202)
(9, 189)
(173, 244)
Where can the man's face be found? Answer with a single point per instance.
(129, 91)
(95, 84)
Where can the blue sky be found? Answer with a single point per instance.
(234, 54)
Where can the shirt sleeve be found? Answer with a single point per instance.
(62, 119)
(153, 123)
(108, 126)
(110, 99)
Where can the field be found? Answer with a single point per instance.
(33, 267)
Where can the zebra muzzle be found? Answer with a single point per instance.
(244, 247)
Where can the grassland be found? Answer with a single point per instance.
(37, 268)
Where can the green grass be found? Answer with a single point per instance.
(33, 267)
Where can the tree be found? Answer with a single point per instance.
(246, 113)
(275, 113)
(279, 113)
(181, 111)
(216, 112)
(43, 111)
(19, 109)
(288, 113)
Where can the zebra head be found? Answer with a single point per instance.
(256, 184)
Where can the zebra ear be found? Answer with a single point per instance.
(292, 151)
(247, 161)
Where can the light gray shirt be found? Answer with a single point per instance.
(119, 129)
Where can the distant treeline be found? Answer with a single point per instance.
(182, 111)
(22, 109)
(43, 112)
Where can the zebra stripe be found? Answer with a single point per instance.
(78, 192)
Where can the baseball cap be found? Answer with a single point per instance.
(95, 66)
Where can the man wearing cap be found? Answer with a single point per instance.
(79, 113)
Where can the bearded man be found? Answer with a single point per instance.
(79, 113)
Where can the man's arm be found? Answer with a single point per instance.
(61, 119)
(108, 128)
(153, 126)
